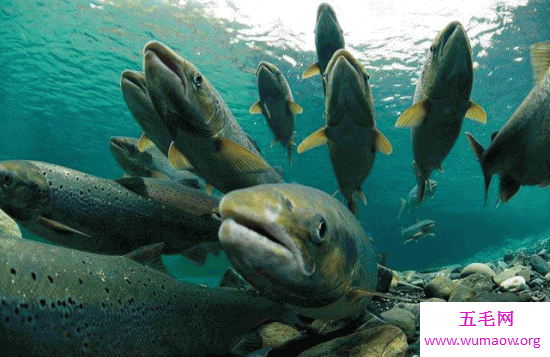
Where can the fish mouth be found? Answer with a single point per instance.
(325, 14)
(133, 78)
(119, 145)
(263, 67)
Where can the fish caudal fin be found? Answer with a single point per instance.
(475, 112)
(508, 187)
(239, 158)
(478, 151)
(540, 59)
(311, 71)
(314, 140)
(413, 116)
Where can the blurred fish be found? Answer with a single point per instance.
(350, 131)
(93, 214)
(206, 135)
(520, 151)
(277, 105)
(149, 163)
(418, 230)
(329, 38)
(62, 302)
(412, 201)
(8, 226)
(301, 247)
(441, 101)
(155, 132)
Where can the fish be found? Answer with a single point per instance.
(418, 230)
(8, 226)
(300, 247)
(411, 201)
(155, 132)
(86, 212)
(56, 301)
(350, 131)
(149, 163)
(277, 105)
(329, 38)
(518, 153)
(440, 103)
(206, 135)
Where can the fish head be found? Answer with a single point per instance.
(24, 191)
(271, 80)
(449, 66)
(347, 90)
(126, 152)
(293, 243)
(181, 95)
(428, 225)
(134, 90)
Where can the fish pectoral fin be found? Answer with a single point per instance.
(476, 112)
(413, 116)
(362, 197)
(232, 279)
(273, 143)
(158, 174)
(256, 108)
(144, 143)
(177, 159)
(314, 140)
(357, 294)
(295, 108)
(238, 157)
(197, 254)
(150, 255)
(209, 189)
(311, 71)
(59, 227)
(540, 59)
(508, 187)
(134, 184)
(440, 169)
(382, 143)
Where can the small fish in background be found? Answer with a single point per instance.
(207, 137)
(520, 152)
(155, 132)
(441, 101)
(277, 105)
(418, 230)
(57, 301)
(300, 247)
(412, 202)
(149, 163)
(90, 213)
(329, 38)
(350, 131)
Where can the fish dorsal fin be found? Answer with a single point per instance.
(144, 143)
(476, 147)
(158, 174)
(197, 254)
(494, 135)
(149, 255)
(476, 112)
(314, 140)
(311, 71)
(177, 159)
(295, 108)
(382, 143)
(540, 59)
(356, 294)
(256, 108)
(238, 157)
(413, 116)
(231, 279)
(134, 184)
(59, 227)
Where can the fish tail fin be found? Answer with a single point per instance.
(479, 151)
(402, 209)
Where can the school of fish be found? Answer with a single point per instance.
(298, 253)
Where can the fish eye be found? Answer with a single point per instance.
(318, 229)
(7, 179)
(197, 79)
(432, 48)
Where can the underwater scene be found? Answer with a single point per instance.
(377, 125)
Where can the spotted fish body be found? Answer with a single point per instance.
(300, 247)
(56, 301)
(149, 163)
(207, 137)
(276, 104)
(418, 230)
(90, 213)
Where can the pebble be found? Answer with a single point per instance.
(518, 270)
(547, 277)
(516, 283)
(508, 256)
(440, 287)
(539, 265)
(470, 286)
(477, 267)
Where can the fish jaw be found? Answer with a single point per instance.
(451, 65)
(126, 153)
(271, 82)
(132, 81)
